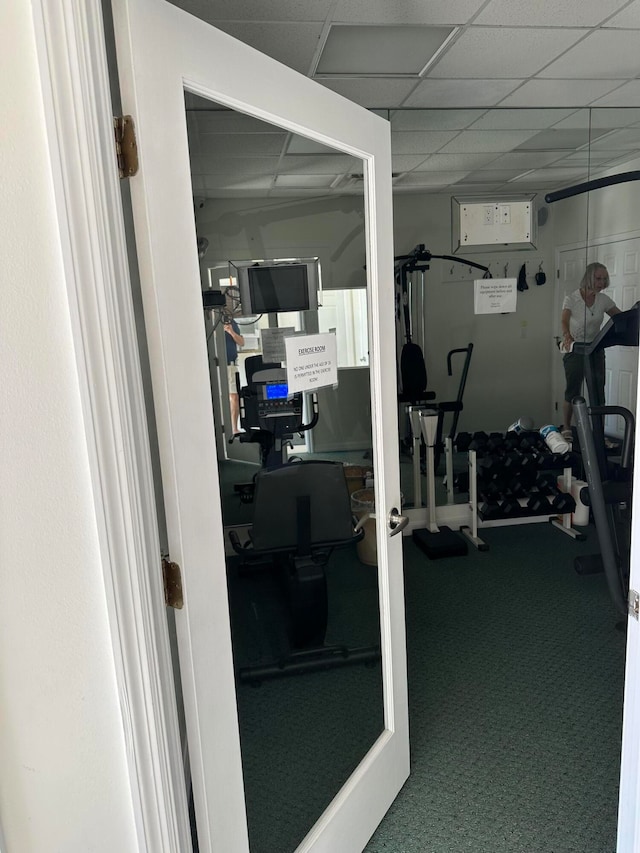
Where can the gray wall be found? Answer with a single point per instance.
(511, 365)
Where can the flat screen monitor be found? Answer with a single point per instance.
(272, 287)
(280, 288)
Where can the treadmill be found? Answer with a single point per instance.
(609, 490)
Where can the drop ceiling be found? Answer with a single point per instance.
(483, 96)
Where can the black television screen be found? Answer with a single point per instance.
(278, 288)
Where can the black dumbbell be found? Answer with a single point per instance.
(490, 510)
(517, 488)
(563, 502)
(510, 507)
(545, 483)
(495, 441)
(539, 504)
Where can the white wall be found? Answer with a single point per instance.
(63, 774)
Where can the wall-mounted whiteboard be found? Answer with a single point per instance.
(485, 224)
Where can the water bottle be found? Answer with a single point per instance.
(521, 425)
(555, 442)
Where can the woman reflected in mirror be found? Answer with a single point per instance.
(582, 315)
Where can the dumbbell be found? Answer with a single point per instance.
(489, 491)
(491, 468)
(545, 483)
(490, 510)
(510, 507)
(563, 503)
(539, 504)
(517, 488)
(495, 441)
(478, 441)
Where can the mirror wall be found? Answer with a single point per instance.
(257, 196)
(305, 624)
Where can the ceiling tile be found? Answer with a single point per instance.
(233, 165)
(430, 179)
(604, 54)
(469, 141)
(227, 121)
(420, 142)
(456, 162)
(333, 164)
(291, 44)
(371, 92)
(406, 12)
(553, 176)
(242, 144)
(622, 140)
(434, 119)
(555, 140)
(626, 95)
(257, 10)
(356, 49)
(547, 13)
(302, 145)
(519, 119)
(613, 117)
(502, 52)
(229, 182)
(527, 160)
(491, 176)
(558, 93)
(309, 181)
(629, 17)
(460, 93)
(406, 162)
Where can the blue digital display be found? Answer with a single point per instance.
(277, 391)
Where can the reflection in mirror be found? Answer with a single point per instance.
(516, 370)
(285, 260)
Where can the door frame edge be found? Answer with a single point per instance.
(76, 102)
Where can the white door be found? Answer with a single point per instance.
(161, 52)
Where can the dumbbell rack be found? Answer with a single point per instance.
(519, 507)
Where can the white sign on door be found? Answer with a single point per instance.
(312, 362)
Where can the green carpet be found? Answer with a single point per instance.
(515, 699)
(515, 679)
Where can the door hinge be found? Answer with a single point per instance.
(634, 603)
(172, 577)
(126, 146)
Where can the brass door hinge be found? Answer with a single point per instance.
(172, 577)
(634, 603)
(126, 146)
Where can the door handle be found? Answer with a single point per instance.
(397, 522)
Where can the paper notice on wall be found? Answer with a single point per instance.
(495, 295)
(312, 362)
(272, 343)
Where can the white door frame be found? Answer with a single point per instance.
(77, 106)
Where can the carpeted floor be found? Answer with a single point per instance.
(515, 691)
(515, 679)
